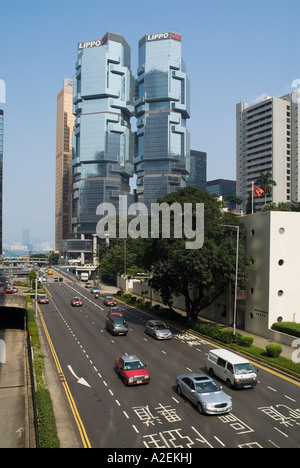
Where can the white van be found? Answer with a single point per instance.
(235, 370)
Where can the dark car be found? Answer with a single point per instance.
(116, 325)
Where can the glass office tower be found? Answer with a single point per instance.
(103, 144)
(162, 108)
(1, 172)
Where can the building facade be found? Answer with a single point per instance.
(162, 107)
(198, 170)
(273, 289)
(103, 143)
(1, 175)
(267, 141)
(63, 179)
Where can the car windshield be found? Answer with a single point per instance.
(243, 368)
(76, 299)
(120, 323)
(133, 365)
(160, 326)
(110, 299)
(207, 387)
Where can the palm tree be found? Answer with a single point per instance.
(266, 182)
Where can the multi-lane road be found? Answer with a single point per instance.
(109, 414)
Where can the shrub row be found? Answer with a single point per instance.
(47, 430)
(290, 328)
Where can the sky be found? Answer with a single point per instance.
(234, 51)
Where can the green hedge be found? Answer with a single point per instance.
(290, 328)
(273, 350)
(47, 430)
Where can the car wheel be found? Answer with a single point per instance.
(211, 372)
(200, 409)
(228, 383)
(179, 390)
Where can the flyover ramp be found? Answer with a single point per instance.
(16, 408)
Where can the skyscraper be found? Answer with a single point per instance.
(197, 175)
(162, 108)
(267, 135)
(103, 143)
(1, 171)
(63, 181)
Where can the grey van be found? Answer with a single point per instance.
(116, 325)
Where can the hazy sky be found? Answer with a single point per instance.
(234, 51)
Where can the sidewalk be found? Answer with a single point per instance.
(262, 342)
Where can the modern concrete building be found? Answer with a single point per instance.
(162, 108)
(267, 141)
(63, 180)
(273, 292)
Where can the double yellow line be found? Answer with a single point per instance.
(82, 431)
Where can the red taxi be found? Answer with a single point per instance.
(76, 302)
(132, 370)
(110, 301)
(43, 299)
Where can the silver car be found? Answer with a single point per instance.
(158, 330)
(204, 393)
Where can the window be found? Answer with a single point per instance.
(221, 362)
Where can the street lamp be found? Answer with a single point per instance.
(236, 270)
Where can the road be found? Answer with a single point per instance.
(153, 415)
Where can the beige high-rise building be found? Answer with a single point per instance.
(267, 141)
(63, 182)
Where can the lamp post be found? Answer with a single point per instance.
(236, 271)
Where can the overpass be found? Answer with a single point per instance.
(19, 260)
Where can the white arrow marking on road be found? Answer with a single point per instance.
(2, 352)
(80, 380)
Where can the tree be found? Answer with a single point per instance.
(199, 275)
(234, 200)
(121, 255)
(266, 182)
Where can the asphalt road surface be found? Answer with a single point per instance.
(154, 415)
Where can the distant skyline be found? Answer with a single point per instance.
(233, 50)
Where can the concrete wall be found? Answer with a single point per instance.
(273, 292)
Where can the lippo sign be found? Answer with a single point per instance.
(89, 44)
(139, 219)
(162, 36)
